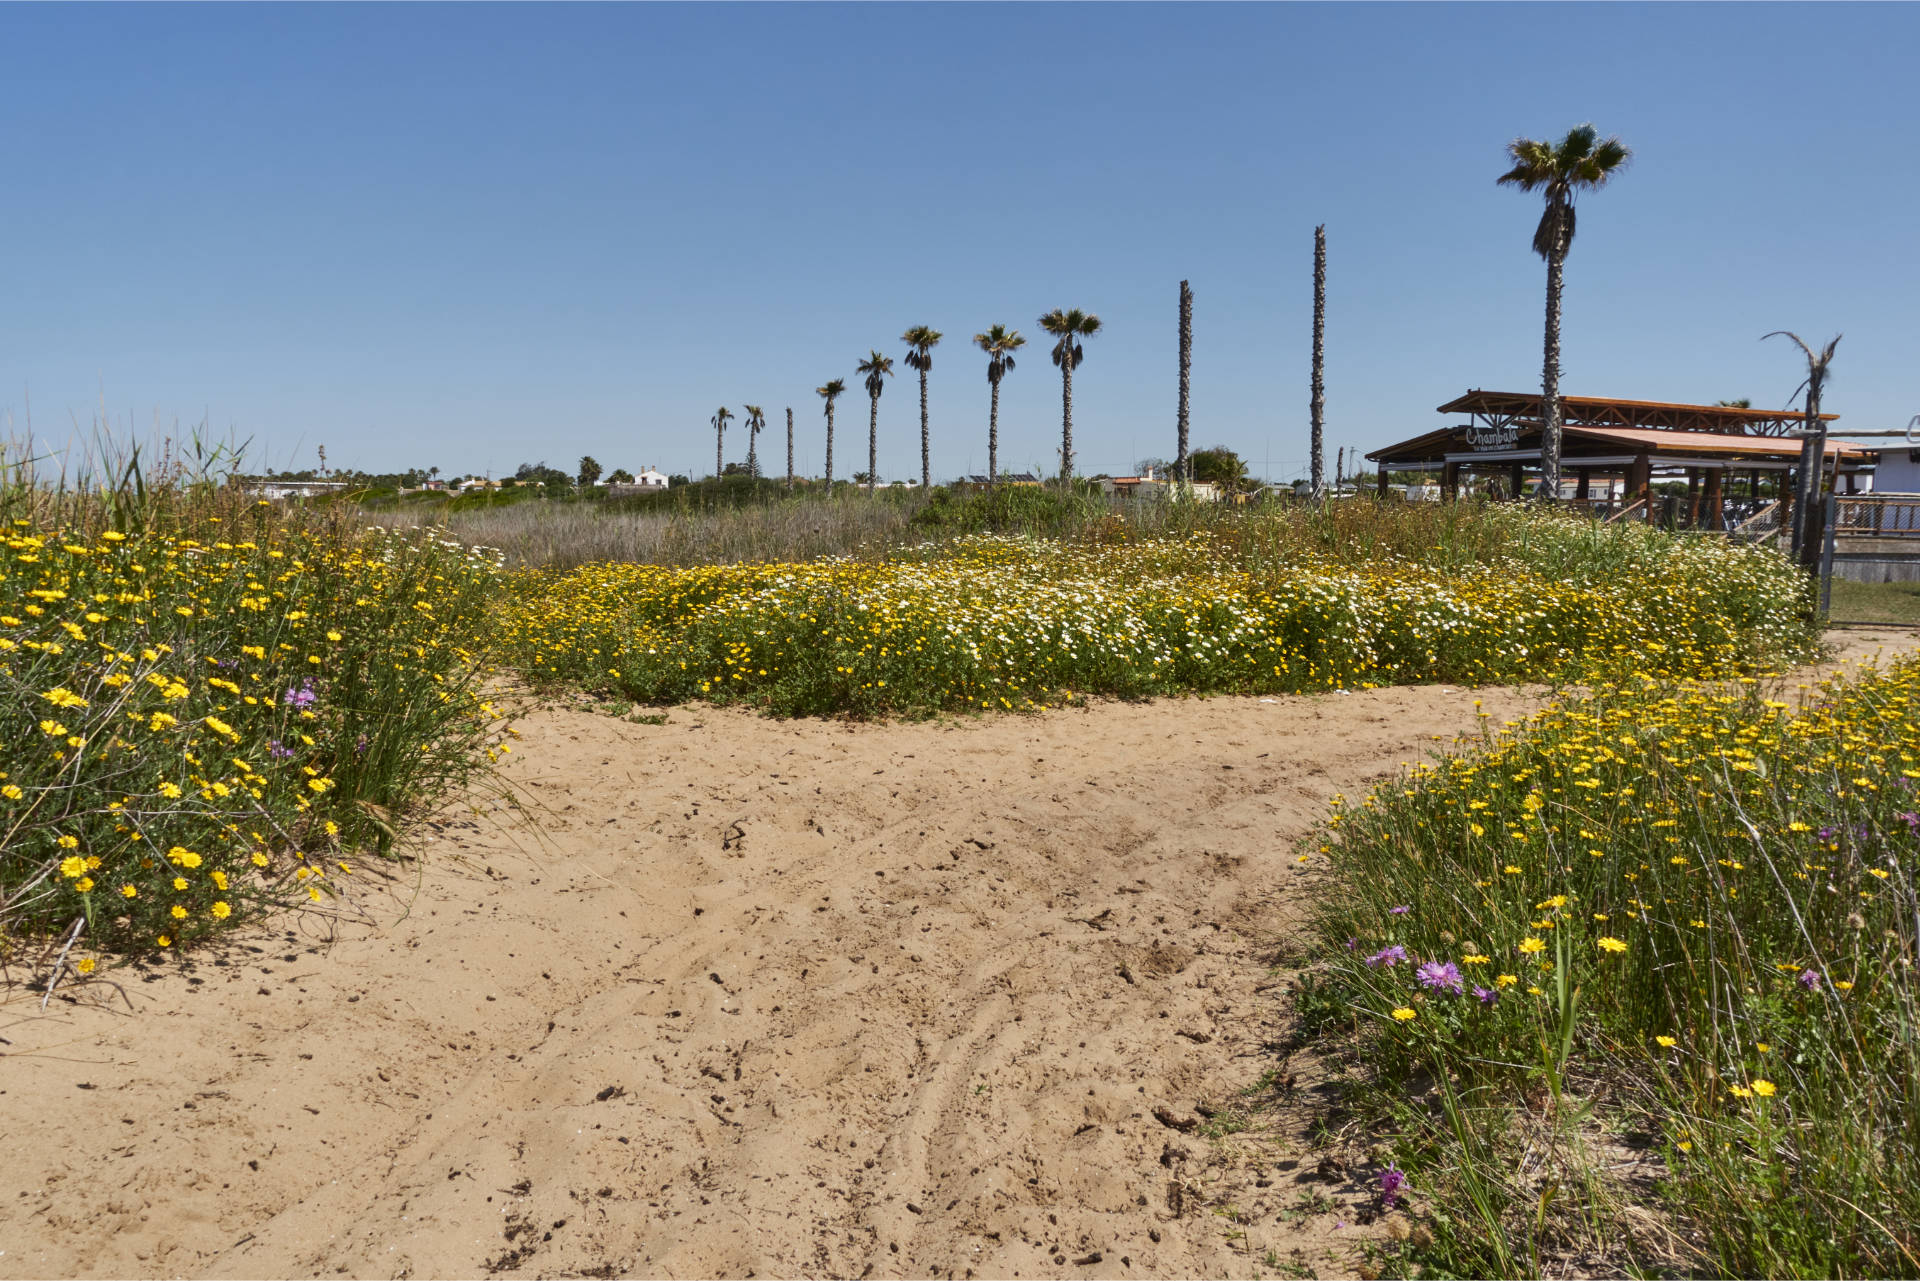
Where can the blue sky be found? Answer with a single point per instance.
(475, 236)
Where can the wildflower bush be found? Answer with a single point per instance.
(998, 622)
(1677, 918)
(191, 727)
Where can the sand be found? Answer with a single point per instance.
(749, 997)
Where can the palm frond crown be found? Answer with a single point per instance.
(1581, 161)
(999, 343)
(832, 391)
(921, 339)
(1067, 325)
(877, 368)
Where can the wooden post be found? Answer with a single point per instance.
(1693, 497)
(1640, 482)
(1449, 481)
(1383, 480)
(1517, 480)
(1715, 512)
(1585, 488)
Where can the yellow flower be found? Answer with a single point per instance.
(61, 696)
(179, 913)
(1476, 960)
(11, 792)
(1613, 945)
(259, 859)
(84, 965)
(179, 882)
(220, 880)
(84, 885)
(129, 891)
(1505, 980)
(73, 865)
(1529, 946)
(1666, 1042)
(221, 911)
(68, 842)
(1403, 1014)
(1741, 1092)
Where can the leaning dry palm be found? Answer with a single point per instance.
(1813, 450)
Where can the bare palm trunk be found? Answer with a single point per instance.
(1550, 380)
(1317, 397)
(718, 435)
(753, 453)
(873, 445)
(993, 436)
(1813, 456)
(829, 449)
(926, 464)
(789, 450)
(1181, 459)
(1066, 419)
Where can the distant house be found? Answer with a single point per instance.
(648, 481)
(472, 483)
(1157, 485)
(275, 487)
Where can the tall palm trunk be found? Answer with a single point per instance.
(829, 449)
(719, 435)
(1813, 457)
(993, 434)
(926, 464)
(1550, 378)
(1182, 460)
(1317, 400)
(789, 448)
(753, 452)
(873, 444)
(1066, 420)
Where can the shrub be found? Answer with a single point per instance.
(1684, 913)
(190, 728)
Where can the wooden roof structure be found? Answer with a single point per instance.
(1507, 408)
(1611, 445)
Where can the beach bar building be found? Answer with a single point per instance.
(1737, 462)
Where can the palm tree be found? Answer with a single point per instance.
(921, 341)
(830, 393)
(1186, 379)
(721, 417)
(1317, 399)
(756, 423)
(999, 343)
(1580, 161)
(877, 368)
(1813, 448)
(789, 448)
(1067, 353)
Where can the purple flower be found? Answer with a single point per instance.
(1352, 943)
(1392, 1179)
(1388, 956)
(1911, 820)
(303, 698)
(1810, 980)
(278, 750)
(1825, 833)
(1441, 974)
(360, 745)
(1399, 911)
(1486, 994)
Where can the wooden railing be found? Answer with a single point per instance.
(1878, 516)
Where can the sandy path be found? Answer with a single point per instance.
(787, 998)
